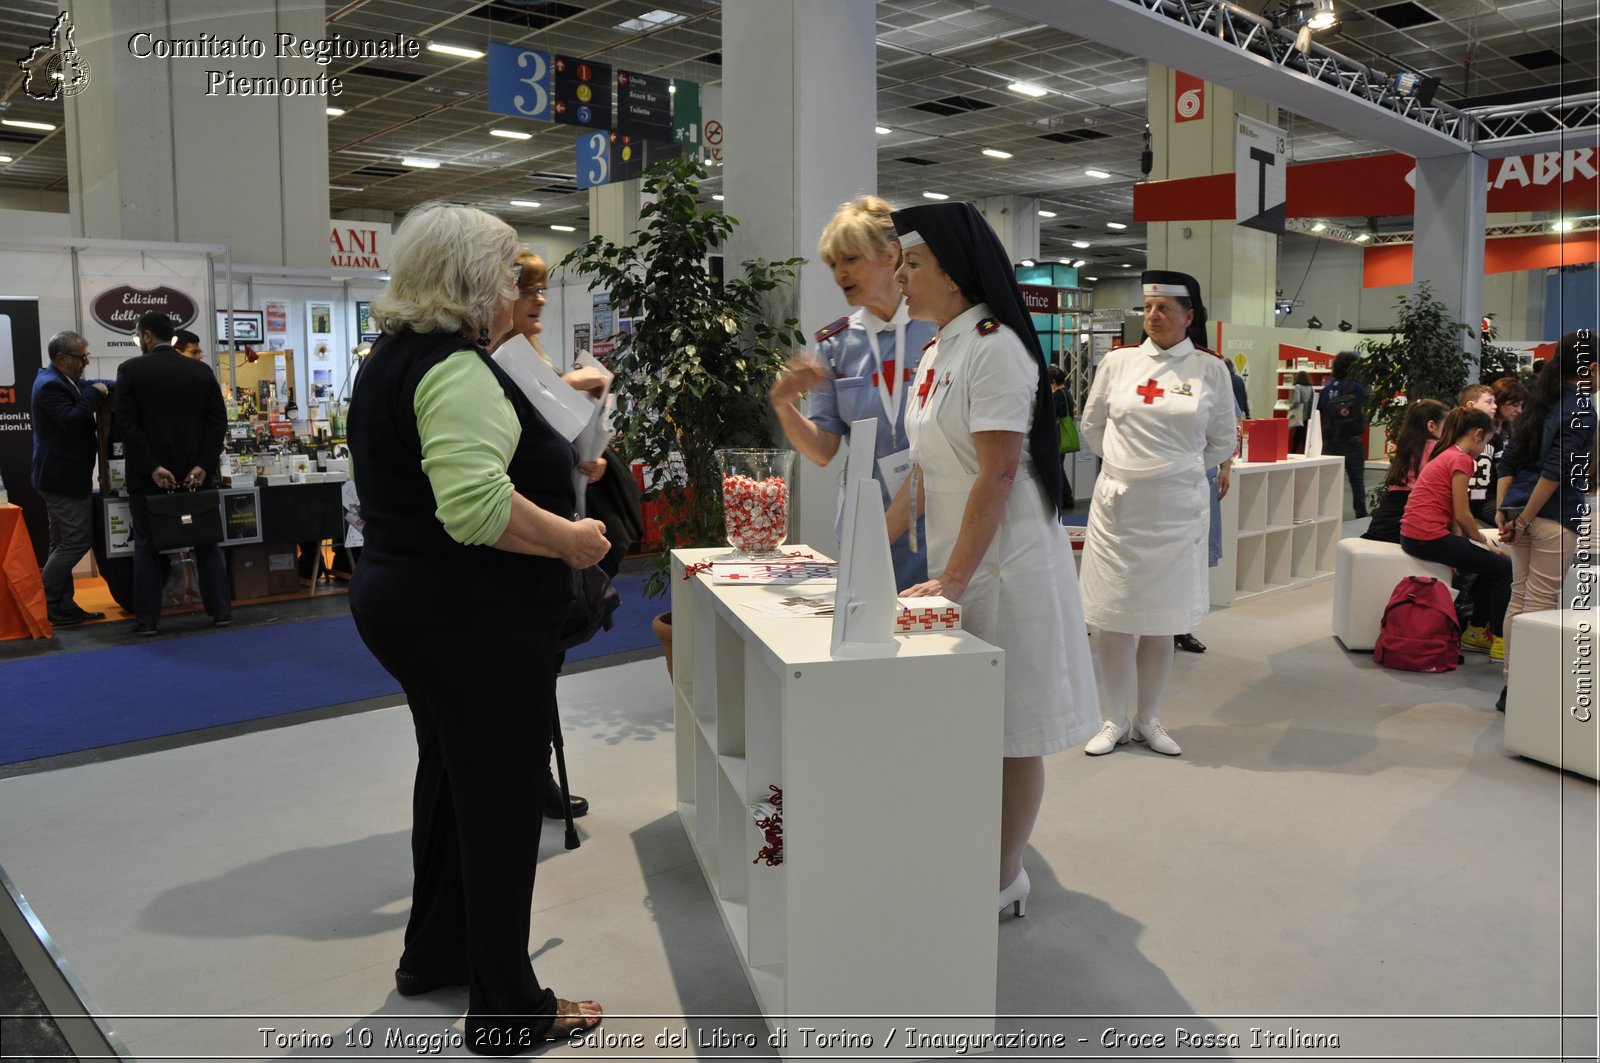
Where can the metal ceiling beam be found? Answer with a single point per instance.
(1236, 49)
(1547, 125)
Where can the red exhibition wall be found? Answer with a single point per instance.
(1391, 264)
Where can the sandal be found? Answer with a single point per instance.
(575, 1017)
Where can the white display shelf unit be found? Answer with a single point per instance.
(1280, 526)
(885, 902)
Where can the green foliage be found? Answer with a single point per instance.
(694, 373)
(1424, 359)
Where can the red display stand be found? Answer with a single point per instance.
(1265, 440)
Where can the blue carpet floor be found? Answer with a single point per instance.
(66, 702)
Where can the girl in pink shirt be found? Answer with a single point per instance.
(1438, 524)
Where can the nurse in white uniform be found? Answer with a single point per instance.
(987, 474)
(1159, 415)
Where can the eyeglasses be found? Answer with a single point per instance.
(84, 358)
(531, 293)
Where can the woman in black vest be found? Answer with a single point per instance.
(462, 590)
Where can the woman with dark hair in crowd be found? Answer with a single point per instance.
(1342, 405)
(464, 586)
(1419, 431)
(1438, 524)
(1301, 399)
(1547, 478)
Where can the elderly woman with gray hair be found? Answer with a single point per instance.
(461, 594)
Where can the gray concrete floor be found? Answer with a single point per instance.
(1341, 850)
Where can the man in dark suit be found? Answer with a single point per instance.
(65, 446)
(172, 421)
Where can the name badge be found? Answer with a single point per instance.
(893, 470)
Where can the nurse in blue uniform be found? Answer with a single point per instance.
(862, 363)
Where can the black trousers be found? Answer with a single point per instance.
(1355, 468)
(481, 682)
(1491, 591)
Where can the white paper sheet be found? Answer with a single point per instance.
(567, 409)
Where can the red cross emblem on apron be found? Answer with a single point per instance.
(1150, 391)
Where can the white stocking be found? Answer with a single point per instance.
(1116, 650)
(1155, 663)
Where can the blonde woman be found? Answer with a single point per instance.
(863, 360)
(466, 495)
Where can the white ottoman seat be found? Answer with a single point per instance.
(1550, 710)
(1365, 573)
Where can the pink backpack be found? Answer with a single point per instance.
(1419, 632)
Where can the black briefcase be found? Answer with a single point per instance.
(181, 519)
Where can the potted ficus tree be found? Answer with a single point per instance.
(693, 374)
(1423, 359)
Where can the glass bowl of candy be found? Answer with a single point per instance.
(755, 499)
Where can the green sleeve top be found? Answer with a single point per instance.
(469, 431)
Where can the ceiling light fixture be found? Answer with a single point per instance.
(1115, 225)
(335, 112)
(564, 228)
(4, 159)
(1322, 15)
(718, 196)
(1363, 238)
(1081, 245)
(1319, 227)
(1028, 262)
(1127, 265)
(1027, 88)
(1345, 326)
(1562, 226)
(1080, 263)
(650, 20)
(1313, 321)
(18, 123)
(1091, 278)
(883, 130)
(1065, 261)
(511, 134)
(420, 164)
(996, 153)
(345, 188)
(1096, 173)
(525, 203)
(1047, 214)
(455, 50)
(934, 195)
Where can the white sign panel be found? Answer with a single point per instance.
(1259, 182)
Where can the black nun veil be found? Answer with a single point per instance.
(970, 252)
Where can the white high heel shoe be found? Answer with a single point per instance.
(1016, 895)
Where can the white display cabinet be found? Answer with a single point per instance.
(1280, 525)
(885, 901)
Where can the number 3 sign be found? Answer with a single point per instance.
(594, 159)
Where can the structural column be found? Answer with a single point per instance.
(1236, 266)
(1015, 219)
(799, 105)
(1451, 219)
(161, 150)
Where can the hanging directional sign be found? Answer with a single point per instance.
(582, 91)
(1259, 183)
(686, 112)
(594, 159)
(519, 82)
(644, 106)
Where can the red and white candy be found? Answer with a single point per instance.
(756, 511)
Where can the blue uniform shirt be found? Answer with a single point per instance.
(854, 396)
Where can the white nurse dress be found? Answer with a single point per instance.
(979, 377)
